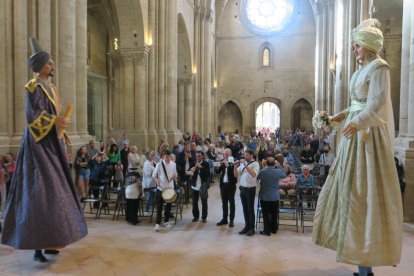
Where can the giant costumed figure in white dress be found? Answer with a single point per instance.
(359, 211)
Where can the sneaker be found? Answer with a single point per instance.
(157, 228)
(168, 225)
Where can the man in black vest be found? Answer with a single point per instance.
(227, 188)
(200, 171)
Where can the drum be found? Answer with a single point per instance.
(169, 195)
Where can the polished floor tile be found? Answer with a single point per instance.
(115, 248)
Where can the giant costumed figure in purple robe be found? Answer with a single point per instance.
(43, 211)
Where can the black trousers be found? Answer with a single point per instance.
(227, 193)
(131, 210)
(247, 196)
(160, 202)
(195, 195)
(270, 212)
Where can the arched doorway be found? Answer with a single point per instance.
(230, 118)
(302, 113)
(267, 117)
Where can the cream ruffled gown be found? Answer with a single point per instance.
(359, 211)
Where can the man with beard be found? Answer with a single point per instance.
(43, 211)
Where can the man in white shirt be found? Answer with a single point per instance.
(165, 174)
(246, 170)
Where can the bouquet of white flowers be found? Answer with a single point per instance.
(321, 119)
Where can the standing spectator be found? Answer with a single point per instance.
(236, 148)
(227, 188)
(124, 139)
(113, 156)
(246, 170)
(133, 191)
(269, 196)
(150, 184)
(99, 174)
(92, 151)
(123, 153)
(134, 159)
(82, 171)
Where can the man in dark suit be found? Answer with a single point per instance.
(200, 172)
(227, 188)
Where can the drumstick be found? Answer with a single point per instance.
(67, 114)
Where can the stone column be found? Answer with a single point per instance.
(189, 104)
(81, 69)
(405, 67)
(126, 94)
(181, 105)
(6, 76)
(20, 45)
(173, 134)
(152, 84)
(162, 14)
(140, 108)
(196, 64)
(330, 72)
(207, 72)
(404, 146)
(318, 57)
(66, 58)
(44, 34)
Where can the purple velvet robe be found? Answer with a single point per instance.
(43, 210)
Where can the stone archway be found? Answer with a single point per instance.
(302, 113)
(267, 117)
(230, 118)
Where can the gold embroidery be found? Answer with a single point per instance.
(42, 125)
(31, 87)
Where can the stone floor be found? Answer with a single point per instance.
(115, 248)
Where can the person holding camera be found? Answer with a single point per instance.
(246, 170)
(200, 172)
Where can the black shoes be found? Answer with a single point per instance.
(195, 219)
(264, 233)
(250, 232)
(231, 224)
(244, 231)
(204, 220)
(39, 257)
(51, 251)
(357, 274)
(222, 222)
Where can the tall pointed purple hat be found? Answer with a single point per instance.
(39, 58)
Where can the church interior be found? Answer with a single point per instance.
(158, 69)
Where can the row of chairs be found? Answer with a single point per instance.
(295, 210)
(109, 199)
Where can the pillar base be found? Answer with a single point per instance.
(4, 144)
(173, 137)
(152, 139)
(162, 134)
(404, 151)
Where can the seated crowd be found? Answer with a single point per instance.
(300, 157)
